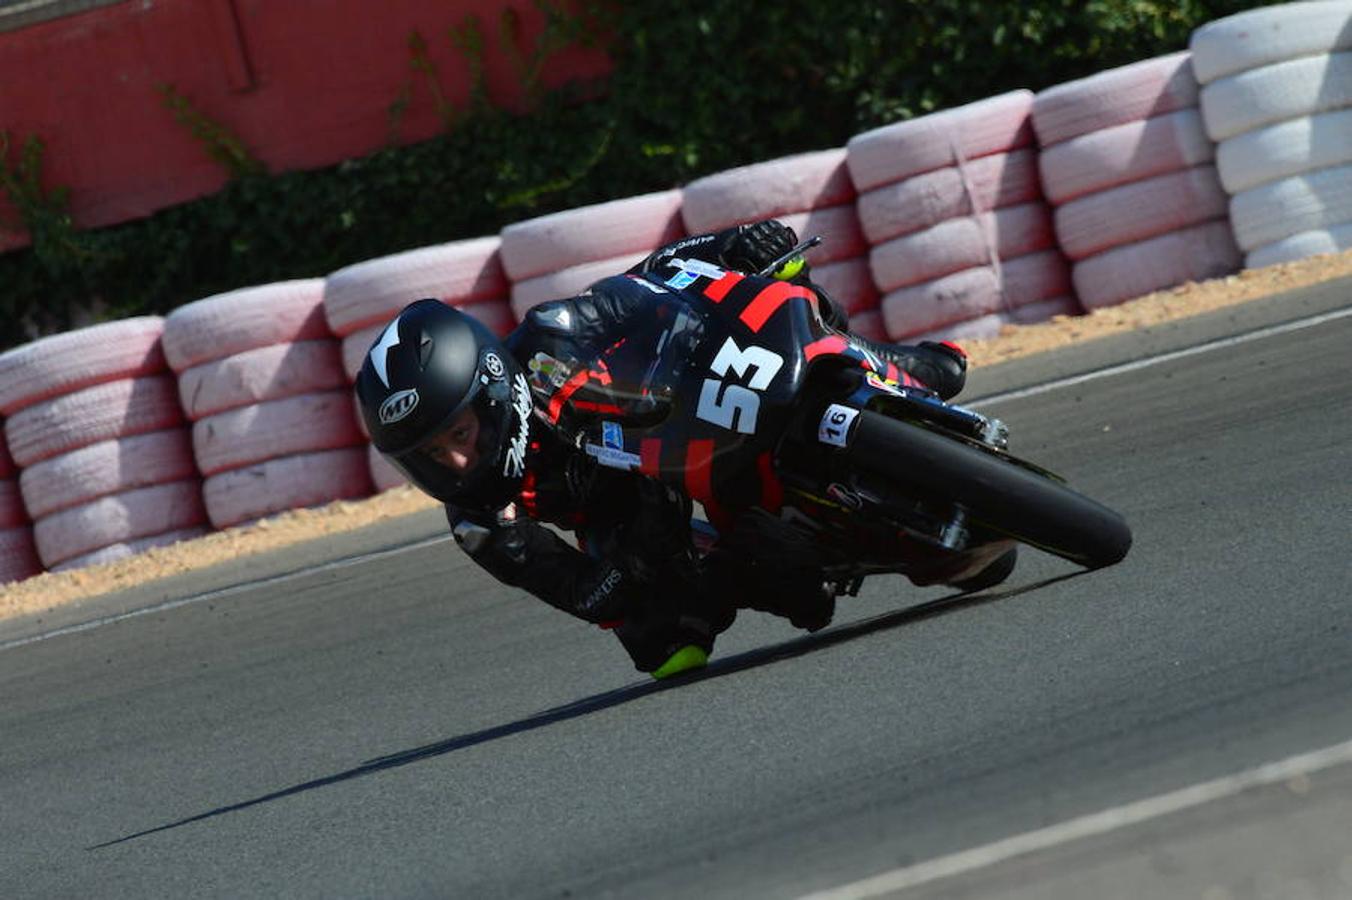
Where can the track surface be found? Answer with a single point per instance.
(406, 727)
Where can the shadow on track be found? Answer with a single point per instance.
(597, 702)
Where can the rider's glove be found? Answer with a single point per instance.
(750, 248)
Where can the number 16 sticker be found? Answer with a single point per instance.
(835, 424)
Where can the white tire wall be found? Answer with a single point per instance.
(1131, 270)
(371, 293)
(225, 324)
(96, 417)
(1258, 37)
(767, 190)
(268, 394)
(1278, 96)
(940, 140)
(114, 552)
(989, 326)
(118, 518)
(1134, 195)
(1301, 246)
(18, 556)
(1300, 145)
(289, 482)
(1275, 93)
(256, 376)
(1130, 93)
(1140, 210)
(107, 467)
(1273, 212)
(65, 363)
(1124, 154)
(634, 226)
(811, 193)
(569, 281)
(952, 207)
(923, 201)
(938, 305)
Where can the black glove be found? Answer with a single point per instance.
(750, 248)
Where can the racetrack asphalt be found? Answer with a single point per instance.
(403, 726)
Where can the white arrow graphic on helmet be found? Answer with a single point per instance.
(380, 353)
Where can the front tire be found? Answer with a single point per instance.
(996, 492)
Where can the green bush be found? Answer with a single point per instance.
(698, 86)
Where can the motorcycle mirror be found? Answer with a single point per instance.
(804, 246)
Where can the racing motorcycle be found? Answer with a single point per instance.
(808, 449)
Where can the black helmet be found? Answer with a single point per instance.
(428, 365)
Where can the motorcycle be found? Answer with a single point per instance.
(807, 448)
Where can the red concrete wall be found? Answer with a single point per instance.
(304, 84)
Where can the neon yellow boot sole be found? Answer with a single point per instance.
(683, 660)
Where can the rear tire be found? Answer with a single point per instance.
(996, 492)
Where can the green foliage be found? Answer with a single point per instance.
(699, 86)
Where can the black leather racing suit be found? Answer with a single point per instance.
(635, 569)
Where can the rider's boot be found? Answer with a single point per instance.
(940, 366)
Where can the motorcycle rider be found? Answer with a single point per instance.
(466, 418)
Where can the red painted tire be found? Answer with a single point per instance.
(961, 243)
(246, 319)
(118, 518)
(848, 282)
(374, 291)
(108, 467)
(123, 550)
(252, 434)
(117, 409)
(1133, 270)
(65, 363)
(568, 282)
(18, 556)
(256, 376)
(1260, 37)
(620, 228)
(975, 292)
(1130, 93)
(288, 482)
(838, 226)
(992, 325)
(1140, 210)
(1261, 97)
(7, 469)
(766, 190)
(903, 149)
(384, 477)
(1123, 154)
(12, 512)
(868, 324)
(992, 182)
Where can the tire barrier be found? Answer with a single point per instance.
(1277, 97)
(361, 299)
(97, 434)
(563, 243)
(18, 557)
(953, 209)
(273, 390)
(811, 193)
(950, 225)
(1135, 190)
